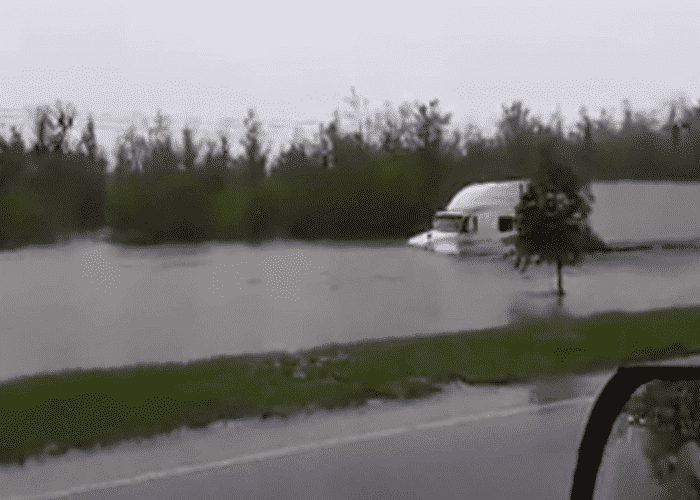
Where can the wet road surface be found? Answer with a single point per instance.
(478, 442)
(529, 455)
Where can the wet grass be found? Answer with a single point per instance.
(52, 413)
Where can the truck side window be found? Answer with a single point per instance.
(470, 224)
(505, 224)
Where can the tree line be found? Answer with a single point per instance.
(364, 174)
(52, 188)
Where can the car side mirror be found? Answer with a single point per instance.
(642, 438)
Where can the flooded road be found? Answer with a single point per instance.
(92, 304)
(88, 304)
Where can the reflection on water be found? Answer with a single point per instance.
(628, 472)
(652, 451)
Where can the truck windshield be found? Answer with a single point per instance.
(447, 223)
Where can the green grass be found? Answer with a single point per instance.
(53, 413)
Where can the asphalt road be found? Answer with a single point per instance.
(527, 454)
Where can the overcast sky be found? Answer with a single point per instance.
(296, 60)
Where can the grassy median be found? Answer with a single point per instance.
(52, 413)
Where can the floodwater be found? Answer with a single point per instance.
(88, 304)
(91, 304)
(626, 470)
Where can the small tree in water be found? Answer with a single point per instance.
(552, 218)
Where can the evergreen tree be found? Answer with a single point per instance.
(88, 140)
(161, 156)
(122, 160)
(43, 129)
(63, 119)
(190, 150)
(430, 124)
(254, 157)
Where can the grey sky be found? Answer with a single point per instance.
(297, 60)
